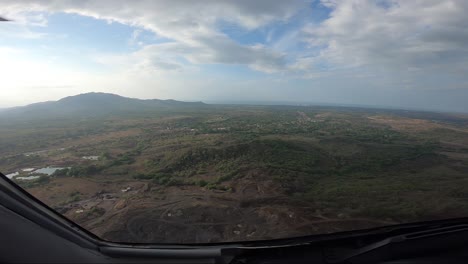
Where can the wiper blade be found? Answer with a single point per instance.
(402, 245)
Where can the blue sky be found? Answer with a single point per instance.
(365, 52)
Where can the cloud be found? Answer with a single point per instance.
(223, 50)
(149, 59)
(192, 25)
(417, 36)
(134, 38)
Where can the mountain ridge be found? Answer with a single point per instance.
(92, 104)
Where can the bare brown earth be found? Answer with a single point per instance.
(255, 210)
(405, 124)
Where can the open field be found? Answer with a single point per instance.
(228, 173)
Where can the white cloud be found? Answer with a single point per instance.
(192, 25)
(223, 50)
(399, 35)
(150, 59)
(135, 35)
(425, 35)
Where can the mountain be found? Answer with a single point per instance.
(93, 104)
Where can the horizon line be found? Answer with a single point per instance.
(265, 103)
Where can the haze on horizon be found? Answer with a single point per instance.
(407, 54)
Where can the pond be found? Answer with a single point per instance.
(47, 170)
(11, 175)
(28, 178)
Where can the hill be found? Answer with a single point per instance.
(92, 104)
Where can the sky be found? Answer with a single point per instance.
(387, 53)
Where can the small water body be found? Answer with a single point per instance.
(28, 178)
(47, 170)
(28, 169)
(11, 175)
